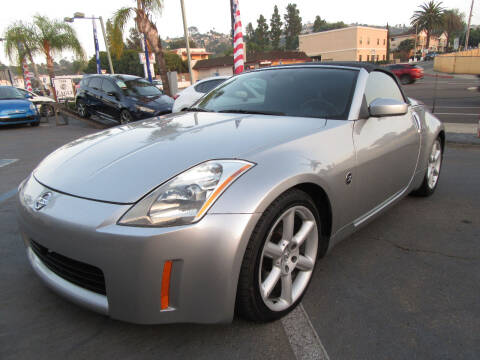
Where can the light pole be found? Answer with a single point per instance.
(468, 27)
(185, 30)
(79, 15)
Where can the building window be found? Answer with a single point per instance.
(360, 41)
(378, 57)
(368, 41)
(359, 57)
(378, 41)
(383, 57)
(383, 41)
(368, 57)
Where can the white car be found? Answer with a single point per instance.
(43, 103)
(191, 94)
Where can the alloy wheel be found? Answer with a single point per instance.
(125, 117)
(434, 163)
(288, 258)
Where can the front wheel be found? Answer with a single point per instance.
(280, 258)
(125, 117)
(432, 175)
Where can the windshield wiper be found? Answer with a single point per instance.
(197, 109)
(240, 111)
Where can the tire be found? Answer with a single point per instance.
(35, 124)
(279, 260)
(125, 117)
(82, 109)
(47, 110)
(432, 175)
(405, 79)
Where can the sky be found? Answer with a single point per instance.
(215, 14)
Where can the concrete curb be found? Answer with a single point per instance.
(461, 133)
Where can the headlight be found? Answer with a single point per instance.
(32, 107)
(144, 109)
(187, 197)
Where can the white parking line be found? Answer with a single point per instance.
(5, 162)
(303, 338)
(464, 114)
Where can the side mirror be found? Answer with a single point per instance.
(28, 96)
(387, 107)
(112, 93)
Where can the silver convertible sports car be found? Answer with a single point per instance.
(226, 208)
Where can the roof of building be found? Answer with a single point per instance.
(344, 29)
(252, 58)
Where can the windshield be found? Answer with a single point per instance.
(10, 93)
(307, 92)
(138, 87)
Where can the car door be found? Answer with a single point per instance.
(110, 98)
(93, 94)
(387, 148)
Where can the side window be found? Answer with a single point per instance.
(108, 87)
(96, 83)
(85, 82)
(209, 85)
(381, 85)
(202, 87)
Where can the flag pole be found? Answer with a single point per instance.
(232, 33)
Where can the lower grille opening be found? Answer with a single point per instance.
(76, 272)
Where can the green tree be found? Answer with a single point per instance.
(319, 24)
(134, 40)
(293, 26)
(143, 13)
(261, 33)
(115, 40)
(428, 18)
(452, 23)
(54, 37)
(20, 42)
(175, 63)
(250, 39)
(275, 29)
(406, 45)
(181, 43)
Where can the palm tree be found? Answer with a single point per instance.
(143, 13)
(53, 36)
(452, 23)
(429, 18)
(19, 43)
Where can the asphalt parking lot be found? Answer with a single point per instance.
(406, 286)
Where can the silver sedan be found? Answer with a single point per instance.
(227, 208)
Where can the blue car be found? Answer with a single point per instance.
(16, 109)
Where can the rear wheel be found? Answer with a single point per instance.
(280, 258)
(432, 175)
(47, 110)
(405, 79)
(82, 109)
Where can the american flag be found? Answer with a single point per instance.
(238, 52)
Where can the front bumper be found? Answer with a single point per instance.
(206, 258)
(25, 118)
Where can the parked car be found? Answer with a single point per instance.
(406, 73)
(158, 84)
(430, 56)
(227, 206)
(191, 94)
(16, 109)
(124, 98)
(43, 103)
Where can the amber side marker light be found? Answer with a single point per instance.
(165, 292)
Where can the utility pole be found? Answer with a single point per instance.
(468, 27)
(106, 45)
(187, 41)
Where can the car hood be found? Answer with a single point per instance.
(124, 163)
(14, 106)
(155, 102)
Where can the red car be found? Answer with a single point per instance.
(406, 73)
